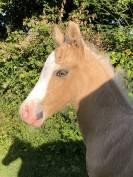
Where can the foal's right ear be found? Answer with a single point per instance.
(58, 35)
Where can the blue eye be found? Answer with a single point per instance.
(62, 73)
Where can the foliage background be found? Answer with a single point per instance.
(25, 43)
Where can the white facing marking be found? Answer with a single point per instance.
(39, 91)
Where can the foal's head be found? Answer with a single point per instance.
(61, 79)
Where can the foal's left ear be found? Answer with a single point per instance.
(58, 35)
(73, 34)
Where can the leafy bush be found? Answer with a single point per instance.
(22, 61)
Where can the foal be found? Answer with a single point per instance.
(74, 73)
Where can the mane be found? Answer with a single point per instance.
(118, 76)
(102, 57)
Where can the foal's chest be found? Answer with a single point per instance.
(110, 156)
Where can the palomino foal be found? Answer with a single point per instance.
(74, 73)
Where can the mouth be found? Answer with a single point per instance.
(36, 123)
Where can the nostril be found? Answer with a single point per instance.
(39, 115)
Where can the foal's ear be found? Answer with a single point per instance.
(58, 35)
(73, 34)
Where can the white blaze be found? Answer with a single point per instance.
(39, 91)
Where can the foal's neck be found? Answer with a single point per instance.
(103, 104)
